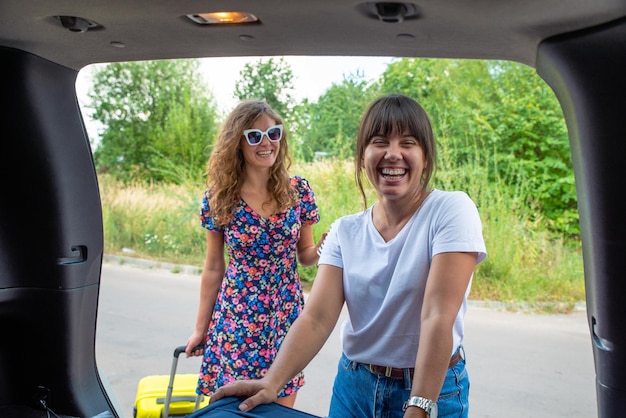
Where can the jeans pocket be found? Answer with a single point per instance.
(346, 364)
(454, 397)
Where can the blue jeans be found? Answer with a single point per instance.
(358, 393)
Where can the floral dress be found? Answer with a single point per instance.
(261, 294)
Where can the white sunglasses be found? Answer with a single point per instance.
(255, 136)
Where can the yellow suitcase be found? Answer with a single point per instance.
(163, 396)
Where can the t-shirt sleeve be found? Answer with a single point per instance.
(331, 252)
(309, 213)
(458, 227)
(206, 220)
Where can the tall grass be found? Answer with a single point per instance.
(152, 221)
(526, 264)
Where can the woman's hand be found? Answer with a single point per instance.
(257, 392)
(320, 244)
(309, 252)
(195, 345)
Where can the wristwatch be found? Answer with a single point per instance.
(426, 404)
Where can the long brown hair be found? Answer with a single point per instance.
(226, 163)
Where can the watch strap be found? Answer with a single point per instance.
(424, 403)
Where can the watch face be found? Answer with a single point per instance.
(433, 410)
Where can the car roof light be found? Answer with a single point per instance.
(223, 18)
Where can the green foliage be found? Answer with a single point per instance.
(335, 193)
(160, 130)
(532, 143)
(152, 220)
(525, 265)
(500, 130)
(329, 126)
(270, 80)
(158, 120)
(502, 114)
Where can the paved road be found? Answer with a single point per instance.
(520, 365)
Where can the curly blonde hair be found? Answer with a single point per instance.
(226, 163)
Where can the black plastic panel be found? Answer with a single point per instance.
(587, 71)
(51, 243)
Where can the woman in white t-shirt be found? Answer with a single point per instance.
(404, 268)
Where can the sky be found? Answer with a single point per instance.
(312, 77)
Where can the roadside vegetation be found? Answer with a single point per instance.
(502, 139)
(527, 267)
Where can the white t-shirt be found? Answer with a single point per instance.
(384, 285)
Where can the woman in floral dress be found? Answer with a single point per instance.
(264, 217)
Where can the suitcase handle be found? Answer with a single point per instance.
(177, 399)
(170, 387)
(181, 349)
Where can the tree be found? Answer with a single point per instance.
(501, 115)
(531, 135)
(158, 119)
(330, 125)
(269, 80)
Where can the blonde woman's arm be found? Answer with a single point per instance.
(212, 275)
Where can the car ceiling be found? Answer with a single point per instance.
(152, 29)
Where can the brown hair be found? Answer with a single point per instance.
(395, 112)
(226, 163)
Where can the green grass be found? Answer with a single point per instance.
(526, 264)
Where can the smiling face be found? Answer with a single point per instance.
(394, 164)
(265, 153)
(395, 147)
